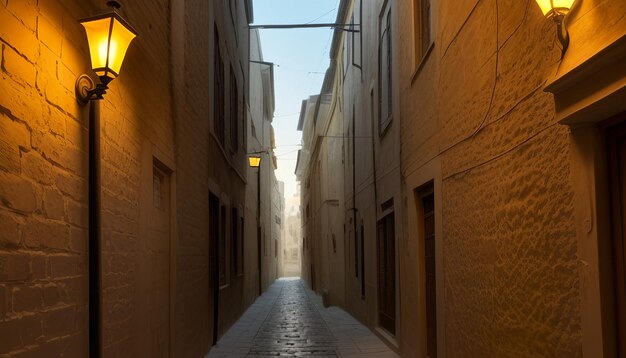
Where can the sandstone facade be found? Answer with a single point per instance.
(513, 144)
(159, 145)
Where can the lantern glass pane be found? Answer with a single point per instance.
(563, 4)
(98, 37)
(120, 40)
(254, 161)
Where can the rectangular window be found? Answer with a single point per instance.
(234, 237)
(384, 70)
(218, 87)
(386, 243)
(356, 252)
(158, 188)
(427, 199)
(423, 37)
(240, 247)
(346, 56)
(362, 262)
(357, 45)
(234, 112)
(222, 248)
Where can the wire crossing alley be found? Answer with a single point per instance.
(290, 321)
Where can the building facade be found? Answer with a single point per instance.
(481, 174)
(176, 257)
(263, 197)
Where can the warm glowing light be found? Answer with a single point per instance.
(555, 7)
(109, 37)
(255, 162)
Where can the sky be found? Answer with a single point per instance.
(301, 57)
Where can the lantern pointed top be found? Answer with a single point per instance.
(114, 4)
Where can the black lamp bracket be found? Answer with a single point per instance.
(87, 90)
(561, 32)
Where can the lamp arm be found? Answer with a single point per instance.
(87, 90)
(562, 33)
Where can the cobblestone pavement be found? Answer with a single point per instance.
(290, 321)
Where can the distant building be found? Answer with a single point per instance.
(292, 238)
(261, 142)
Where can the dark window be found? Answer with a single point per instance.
(275, 248)
(346, 53)
(158, 188)
(362, 261)
(386, 103)
(222, 247)
(234, 237)
(356, 253)
(428, 216)
(234, 111)
(423, 35)
(240, 247)
(218, 86)
(214, 270)
(387, 273)
(357, 44)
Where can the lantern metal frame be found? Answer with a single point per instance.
(85, 88)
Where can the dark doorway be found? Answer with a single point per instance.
(214, 262)
(616, 138)
(427, 201)
(387, 273)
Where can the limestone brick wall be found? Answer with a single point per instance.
(476, 105)
(43, 174)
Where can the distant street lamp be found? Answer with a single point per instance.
(557, 10)
(254, 160)
(109, 36)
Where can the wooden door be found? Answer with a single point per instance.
(428, 206)
(159, 262)
(387, 273)
(616, 137)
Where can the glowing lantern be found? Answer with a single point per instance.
(109, 36)
(255, 162)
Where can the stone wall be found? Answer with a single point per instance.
(156, 113)
(475, 106)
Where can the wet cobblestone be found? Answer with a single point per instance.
(289, 321)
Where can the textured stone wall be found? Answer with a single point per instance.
(43, 170)
(509, 249)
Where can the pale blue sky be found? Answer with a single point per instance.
(301, 56)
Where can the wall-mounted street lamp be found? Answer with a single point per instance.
(255, 161)
(109, 36)
(557, 10)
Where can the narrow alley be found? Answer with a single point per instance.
(312, 178)
(289, 320)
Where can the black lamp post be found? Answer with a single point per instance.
(109, 36)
